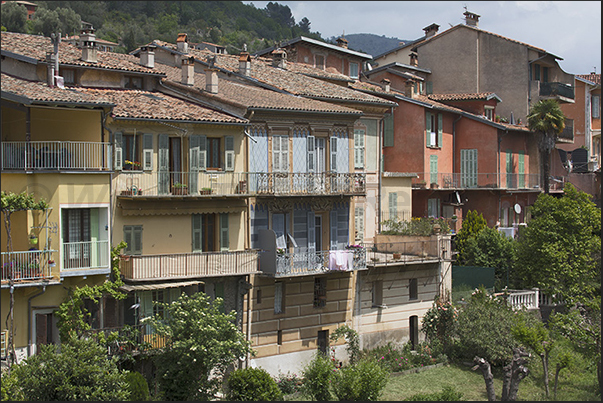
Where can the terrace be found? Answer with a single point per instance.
(514, 181)
(56, 156)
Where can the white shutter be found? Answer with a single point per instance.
(311, 154)
(440, 129)
(118, 151)
(333, 147)
(202, 153)
(333, 225)
(311, 233)
(285, 153)
(229, 154)
(428, 129)
(359, 222)
(358, 148)
(276, 153)
(147, 147)
(433, 169)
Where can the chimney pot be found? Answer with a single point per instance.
(211, 80)
(182, 43)
(471, 19)
(147, 56)
(279, 58)
(342, 42)
(414, 59)
(88, 42)
(188, 70)
(244, 63)
(386, 85)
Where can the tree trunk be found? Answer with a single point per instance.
(484, 366)
(515, 372)
(545, 367)
(559, 367)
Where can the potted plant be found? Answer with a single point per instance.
(205, 191)
(179, 189)
(132, 164)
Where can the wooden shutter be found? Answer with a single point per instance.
(285, 153)
(229, 153)
(128, 239)
(433, 169)
(359, 222)
(137, 239)
(224, 232)
(521, 168)
(429, 87)
(193, 163)
(388, 131)
(333, 227)
(311, 233)
(311, 154)
(428, 129)
(440, 129)
(202, 153)
(276, 153)
(163, 177)
(147, 150)
(197, 233)
(333, 150)
(393, 206)
(359, 148)
(119, 161)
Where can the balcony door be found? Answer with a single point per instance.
(175, 160)
(317, 162)
(76, 238)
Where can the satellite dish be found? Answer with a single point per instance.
(517, 208)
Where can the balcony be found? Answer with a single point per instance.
(567, 135)
(27, 265)
(220, 183)
(127, 339)
(85, 256)
(55, 156)
(308, 263)
(554, 90)
(406, 249)
(457, 181)
(188, 265)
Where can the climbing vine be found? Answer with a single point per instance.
(352, 340)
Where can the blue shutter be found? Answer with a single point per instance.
(224, 243)
(197, 233)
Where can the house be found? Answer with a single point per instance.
(31, 7)
(322, 55)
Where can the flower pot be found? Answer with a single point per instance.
(397, 256)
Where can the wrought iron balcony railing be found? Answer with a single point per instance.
(220, 183)
(27, 265)
(476, 180)
(55, 156)
(556, 89)
(304, 263)
(188, 265)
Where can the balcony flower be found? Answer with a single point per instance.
(133, 163)
(280, 251)
(353, 247)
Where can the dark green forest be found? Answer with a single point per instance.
(133, 23)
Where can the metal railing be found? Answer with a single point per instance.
(56, 156)
(221, 183)
(556, 89)
(414, 251)
(86, 255)
(183, 265)
(27, 265)
(127, 338)
(476, 180)
(568, 131)
(302, 263)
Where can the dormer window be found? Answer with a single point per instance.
(353, 70)
(133, 82)
(489, 112)
(319, 62)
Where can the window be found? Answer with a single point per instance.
(320, 292)
(359, 223)
(158, 298)
(433, 169)
(413, 291)
(213, 153)
(133, 239)
(428, 87)
(433, 129)
(545, 74)
(279, 337)
(388, 131)
(521, 169)
(68, 76)
(280, 153)
(469, 168)
(377, 294)
(489, 112)
(537, 72)
(131, 152)
(279, 297)
(509, 160)
(433, 208)
(393, 205)
(596, 107)
(258, 297)
(414, 331)
(204, 232)
(359, 148)
(133, 82)
(322, 341)
(76, 237)
(353, 70)
(229, 154)
(319, 62)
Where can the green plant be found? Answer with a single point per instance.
(438, 323)
(473, 223)
(11, 389)
(137, 386)
(317, 375)
(417, 226)
(448, 394)
(288, 383)
(178, 185)
(352, 341)
(361, 381)
(252, 384)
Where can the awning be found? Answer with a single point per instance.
(158, 286)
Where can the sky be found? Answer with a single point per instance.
(570, 30)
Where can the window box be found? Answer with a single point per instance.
(205, 191)
(179, 189)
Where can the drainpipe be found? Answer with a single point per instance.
(29, 319)
(104, 117)
(248, 320)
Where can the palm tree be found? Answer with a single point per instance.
(547, 119)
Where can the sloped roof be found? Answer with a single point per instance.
(33, 48)
(480, 96)
(38, 92)
(593, 78)
(315, 42)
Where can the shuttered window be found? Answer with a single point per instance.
(433, 207)
(280, 153)
(147, 157)
(229, 153)
(118, 151)
(133, 239)
(433, 169)
(333, 150)
(359, 222)
(469, 168)
(521, 169)
(359, 148)
(509, 156)
(388, 131)
(224, 240)
(393, 206)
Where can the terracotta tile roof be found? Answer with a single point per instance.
(479, 96)
(36, 46)
(593, 78)
(286, 79)
(240, 94)
(39, 92)
(138, 104)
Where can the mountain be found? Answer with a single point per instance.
(371, 44)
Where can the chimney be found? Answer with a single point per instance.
(182, 43)
(471, 19)
(414, 59)
(244, 63)
(147, 56)
(342, 42)
(211, 76)
(431, 30)
(279, 58)
(188, 71)
(88, 41)
(385, 84)
(50, 58)
(410, 88)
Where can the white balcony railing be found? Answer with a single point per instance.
(187, 265)
(27, 265)
(476, 180)
(220, 183)
(55, 156)
(86, 255)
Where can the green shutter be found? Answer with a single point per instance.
(163, 176)
(429, 87)
(440, 129)
(393, 206)
(521, 168)
(428, 129)
(509, 169)
(137, 240)
(193, 163)
(197, 233)
(224, 232)
(433, 169)
(388, 131)
(128, 239)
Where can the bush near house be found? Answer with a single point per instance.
(252, 384)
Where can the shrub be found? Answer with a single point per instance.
(252, 384)
(137, 386)
(288, 383)
(448, 394)
(362, 381)
(10, 386)
(438, 324)
(390, 357)
(418, 226)
(317, 376)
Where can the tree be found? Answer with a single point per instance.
(304, 24)
(11, 203)
(473, 223)
(560, 249)
(202, 342)
(74, 371)
(546, 118)
(14, 17)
